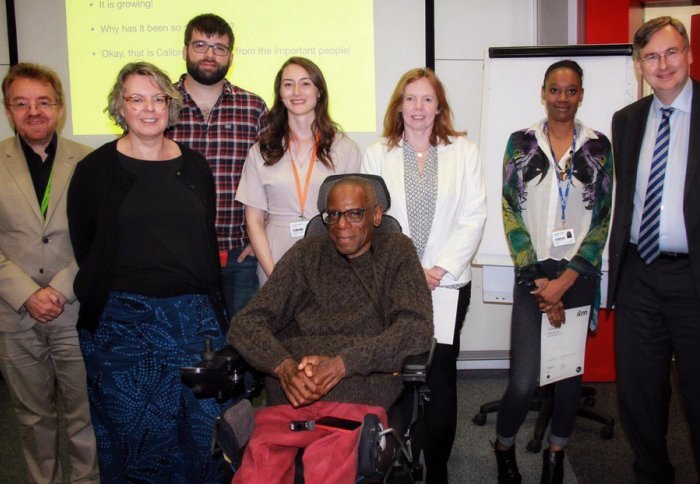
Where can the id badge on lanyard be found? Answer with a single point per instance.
(298, 228)
(565, 235)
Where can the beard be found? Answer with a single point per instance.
(207, 78)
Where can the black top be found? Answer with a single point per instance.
(162, 230)
(39, 169)
(100, 187)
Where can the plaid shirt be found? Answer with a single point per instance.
(224, 140)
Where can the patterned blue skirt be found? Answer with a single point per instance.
(149, 426)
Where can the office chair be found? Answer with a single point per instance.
(543, 403)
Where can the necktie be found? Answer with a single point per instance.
(648, 246)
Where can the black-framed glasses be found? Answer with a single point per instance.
(138, 103)
(202, 47)
(672, 56)
(352, 215)
(40, 105)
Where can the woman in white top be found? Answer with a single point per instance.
(557, 195)
(284, 170)
(437, 192)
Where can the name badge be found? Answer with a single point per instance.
(563, 237)
(297, 229)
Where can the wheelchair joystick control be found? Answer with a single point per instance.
(220, 374)
(208, 354)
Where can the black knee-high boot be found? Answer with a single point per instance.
(507, 466)
(552, 467)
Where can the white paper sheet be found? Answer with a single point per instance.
(563, 349)
(444, 314)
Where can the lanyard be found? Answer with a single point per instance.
(47, 195)
(563, 196)
(301, 194)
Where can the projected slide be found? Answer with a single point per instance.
(338, 35)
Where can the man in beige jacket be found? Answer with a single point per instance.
(39, 349)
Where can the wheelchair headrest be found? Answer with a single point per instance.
(377, 183)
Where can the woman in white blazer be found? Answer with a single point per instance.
(437, 194)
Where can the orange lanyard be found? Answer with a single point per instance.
(301, 194)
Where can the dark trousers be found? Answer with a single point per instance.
(239, 281)
(526, 324)
(657, 316)
(435, 431)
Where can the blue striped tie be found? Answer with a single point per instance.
(648, 246)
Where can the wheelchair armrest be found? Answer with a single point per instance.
(415, 367)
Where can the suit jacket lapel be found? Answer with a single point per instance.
(63, 164)
(636, 137)
(693, 144)
(17, 166)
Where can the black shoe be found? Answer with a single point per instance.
(507, 466)
(552, 467)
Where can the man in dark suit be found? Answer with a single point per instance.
(39, 350)
(655, 247)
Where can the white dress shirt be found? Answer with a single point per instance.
(672, 234)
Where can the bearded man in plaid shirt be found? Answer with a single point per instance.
(222, 122)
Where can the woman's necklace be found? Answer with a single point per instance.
(419, 152)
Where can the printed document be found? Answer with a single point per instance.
(563, 349)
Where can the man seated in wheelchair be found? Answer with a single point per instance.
(331, 328)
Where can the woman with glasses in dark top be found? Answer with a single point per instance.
(141, 217)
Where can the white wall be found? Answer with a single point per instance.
(464, 30)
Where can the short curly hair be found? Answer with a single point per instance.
(115, 99)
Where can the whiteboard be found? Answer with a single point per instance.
(511, 101)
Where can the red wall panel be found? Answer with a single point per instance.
(611, 21)
(695, 46)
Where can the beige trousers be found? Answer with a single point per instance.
(35, 363)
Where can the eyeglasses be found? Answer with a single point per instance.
(352, 215)
(138, 103)
(40, 105)
(202, 47)
(672, 56)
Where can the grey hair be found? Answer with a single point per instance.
(115, 99)
(357, 181)
(650, 27)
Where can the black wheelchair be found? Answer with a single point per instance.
(384, 455)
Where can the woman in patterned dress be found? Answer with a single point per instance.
(141, 216)
(437, 191)
(557, 193)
